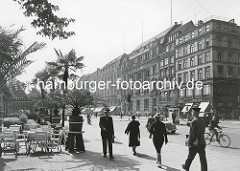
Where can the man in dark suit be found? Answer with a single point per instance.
(196, 141)
(107, 132)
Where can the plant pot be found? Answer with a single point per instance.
(75, 123)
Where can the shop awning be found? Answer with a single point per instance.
(98, 109)
(203, 106)
(187, 107)
(112, 108)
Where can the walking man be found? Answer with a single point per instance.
(196, 141)
(107, 133)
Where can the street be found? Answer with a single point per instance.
(173, 154)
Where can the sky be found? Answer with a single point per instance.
(105, 29)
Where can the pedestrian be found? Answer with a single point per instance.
(149, 122)
(174, 116)
(134, 134)
(121, 115)
(89, 119)
(107, 132)
(196, 141)
(158, 130)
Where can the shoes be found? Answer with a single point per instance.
(111, 157)
(184, 167)
(135, 153)
(104, 155)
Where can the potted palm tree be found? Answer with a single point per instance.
(77, 99)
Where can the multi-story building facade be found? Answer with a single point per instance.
(210, 53)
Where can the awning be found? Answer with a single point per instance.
(187, 107)
(98, 109)
(112, 108)
(203, 106)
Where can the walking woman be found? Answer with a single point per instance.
(158, 130)
(134, 136)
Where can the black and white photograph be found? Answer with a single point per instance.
(119, 85)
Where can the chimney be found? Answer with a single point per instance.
(176, 23)
(200, 22)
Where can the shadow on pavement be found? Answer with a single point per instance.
(145, 156)
(96, 162)
(168, 168)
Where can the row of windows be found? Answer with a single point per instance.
(194, 60)
(229, 58)
(194, 47)
(192, 35)
(229, 71)
(202, 73)
(206, 90)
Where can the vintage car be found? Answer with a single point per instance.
(170, 127)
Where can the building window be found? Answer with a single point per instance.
(161, 63)
(179, 65)
(199, 45)
(238, 75)
(198, 92)
(230, 57)
(207, 72)
(207, 57)
(230, 44)
(180, 78)
(166, 61)
(185, 77)
(219, 26)
(154, 102)
(146, 103)
(192, 35)
(230, 71)
(166, 72)
(200, 59)
(185, 63)
(191, 48)
(172, 71)
(182, 92)
(207, 28)
(192, 75)
(219, 56)
(189, 92)
(185, 38)
(184, 51)
(138, 105)
(154, 69)
(220, 70)
(206, 89)
(200, 74)
(207, 43)
(191, 61)
(219, 39)
(200, 31)
(180, 40)
(172, 59)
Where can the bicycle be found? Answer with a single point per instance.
(223, 139)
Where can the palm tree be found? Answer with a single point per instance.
(13, 60)
(66, 64)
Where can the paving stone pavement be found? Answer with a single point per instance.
(173, 154)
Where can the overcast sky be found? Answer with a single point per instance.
(105, 29)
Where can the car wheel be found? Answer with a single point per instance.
(173, 131)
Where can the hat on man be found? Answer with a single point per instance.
(106, 109)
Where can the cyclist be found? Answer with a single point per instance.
(214, 124)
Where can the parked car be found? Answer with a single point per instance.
(170, 127)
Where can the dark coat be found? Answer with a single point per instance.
(149, 123)
(107, 123)
(134, 136)
(158, 130)
(197, 130)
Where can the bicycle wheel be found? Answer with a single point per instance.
(224, 140)
(208, 138)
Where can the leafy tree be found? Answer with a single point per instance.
(49, 23)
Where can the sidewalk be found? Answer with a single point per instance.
(173, 155)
